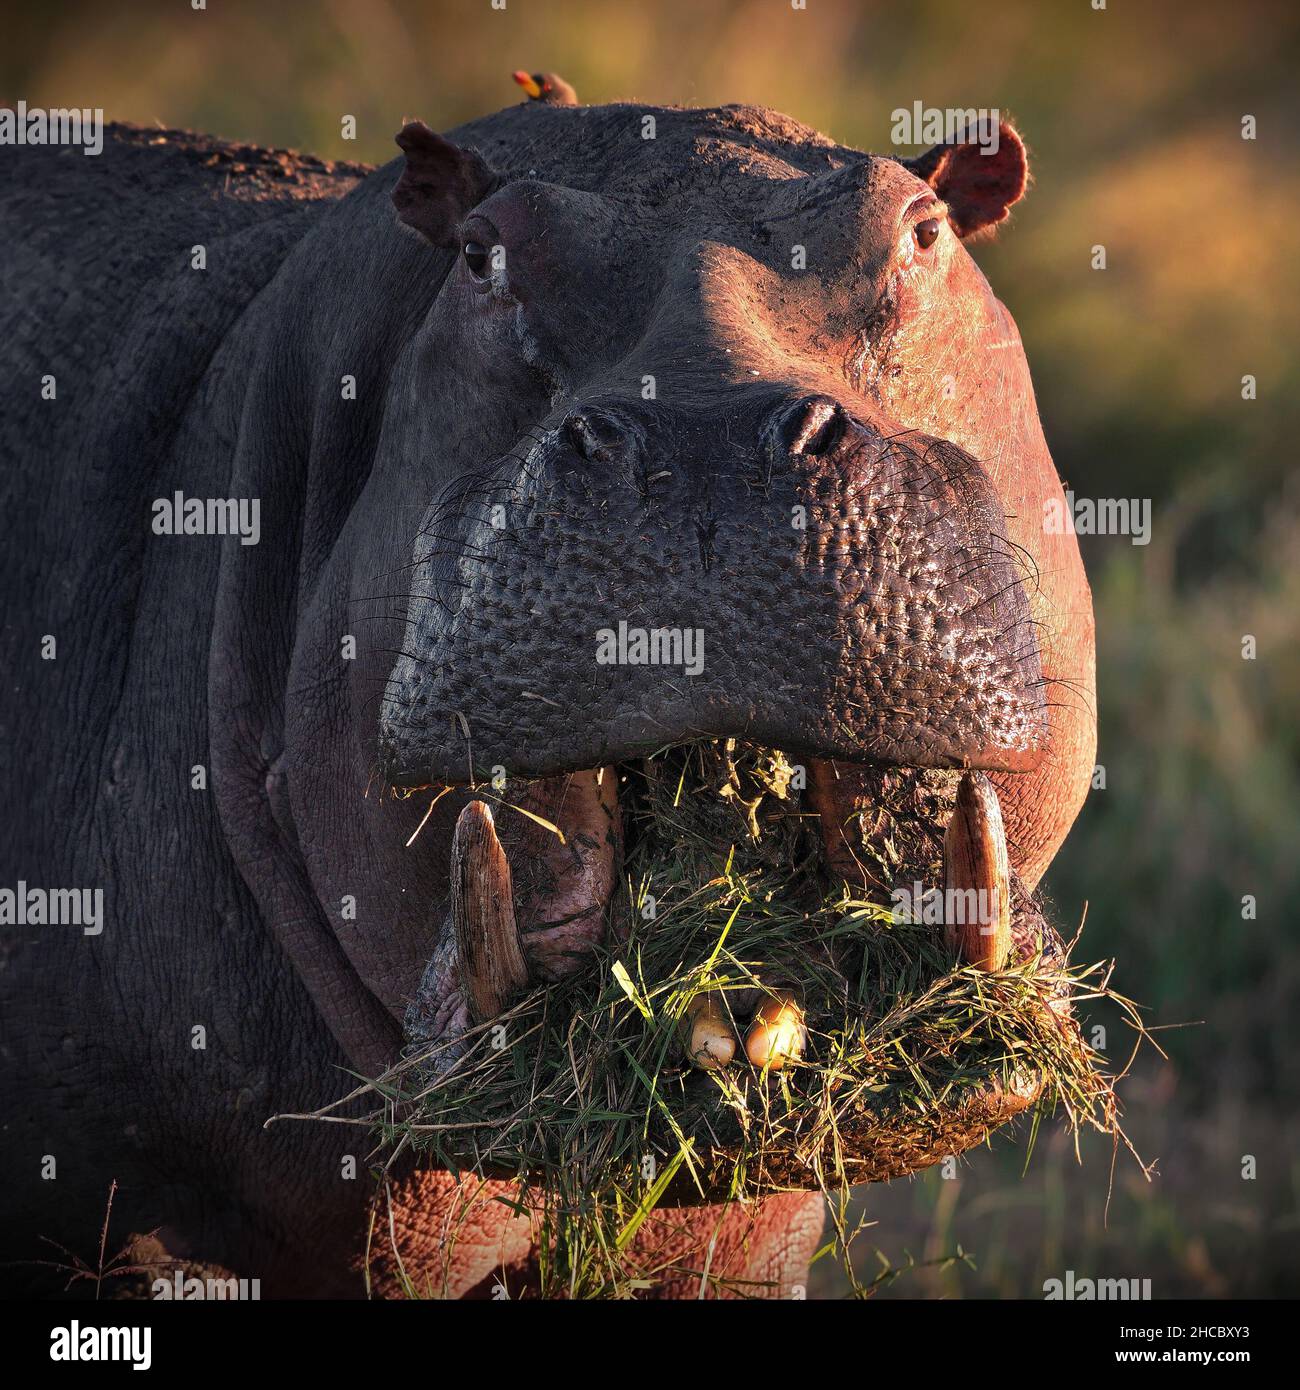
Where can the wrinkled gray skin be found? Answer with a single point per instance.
(900, 631)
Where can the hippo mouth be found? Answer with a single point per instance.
(535, 885)
(573, 874)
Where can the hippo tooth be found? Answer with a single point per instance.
(777, 1034)
(710, 1043)
(975, 857)
(492, 965)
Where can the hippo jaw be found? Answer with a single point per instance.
(550, 908)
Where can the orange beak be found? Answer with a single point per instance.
(528, 84)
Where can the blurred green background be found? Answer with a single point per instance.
(1133, 117)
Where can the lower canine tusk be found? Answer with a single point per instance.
(978, 923)
(492, 968)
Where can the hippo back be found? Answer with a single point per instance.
(123, 382)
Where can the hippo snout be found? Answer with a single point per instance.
(788, 573)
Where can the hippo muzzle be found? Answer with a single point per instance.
(788, 574)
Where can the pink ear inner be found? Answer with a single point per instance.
(979, 188)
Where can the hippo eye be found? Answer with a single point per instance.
(927, 232)
(476, 258)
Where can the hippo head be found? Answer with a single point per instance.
(705, 428)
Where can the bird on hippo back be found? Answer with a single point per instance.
(548, 87)
(597, 375)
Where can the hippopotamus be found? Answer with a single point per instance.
(333, 488)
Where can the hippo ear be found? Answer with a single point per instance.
(979, 175)
(440, 184)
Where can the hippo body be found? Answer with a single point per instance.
(215, 731)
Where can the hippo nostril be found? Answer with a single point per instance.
(595, 436)
(813, 425)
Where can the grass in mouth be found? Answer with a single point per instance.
(582, 1091)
